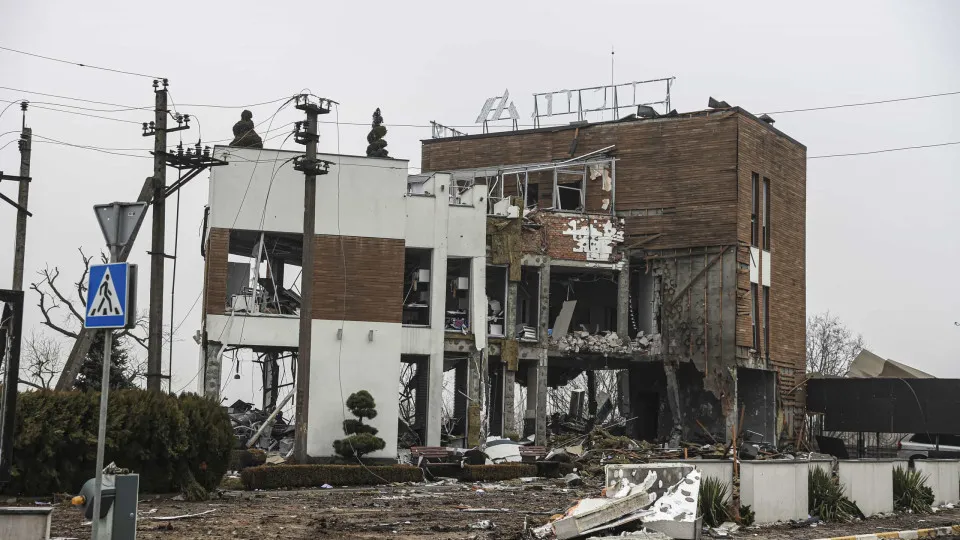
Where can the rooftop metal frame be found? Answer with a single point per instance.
(611, 100)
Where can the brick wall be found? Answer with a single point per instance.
(683, 170)
(783, 161)
(215, 272)
(374, 279)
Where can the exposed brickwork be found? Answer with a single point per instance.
(684, 169)
(783, 161)
(215, 272)
(374, 279)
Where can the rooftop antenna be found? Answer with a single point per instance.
(613, 86)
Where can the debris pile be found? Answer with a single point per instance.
(608, 343)
(252, 428)
(664, 501)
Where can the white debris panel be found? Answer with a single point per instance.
(608, 343)
(595, 237)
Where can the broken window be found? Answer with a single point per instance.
(414, 388)
(496, 299)
(528, 303)
(416, 287)
(582, 301)
(755, 210)
(533, 195)
(766, 214)
(257, 264)
(569, 187)
(458, 295)
(753, 316)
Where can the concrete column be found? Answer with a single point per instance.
(530, 412)
(541, 380)
(509, 412)
(623, 299)
(545, 321)
(422, 403)
(433, 372)
(433, 369)
(212, 366)
(476, 396)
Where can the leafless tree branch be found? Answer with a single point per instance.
(831, 346)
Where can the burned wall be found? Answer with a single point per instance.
(651, 412)
(699, 314)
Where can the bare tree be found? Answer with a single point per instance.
(831, 346)
(42, 361)
(63, 308)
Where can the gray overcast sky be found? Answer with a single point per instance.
(882, 249)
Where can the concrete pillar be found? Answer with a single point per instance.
(509, 397)
(591, 392)
(623, 299)
(422, 403)
(432, 384)
(476, 397)
(530, 411)
(545, 322)
(212, 366)
(270, 373)
(541, 380)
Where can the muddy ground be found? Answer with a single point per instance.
(409, 512)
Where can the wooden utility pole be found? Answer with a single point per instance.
(157, 254)
(20, 246)
(311, 168)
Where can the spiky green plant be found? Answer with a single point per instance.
(910, 491)
(746, 515)
(826, 498)
(713, 502)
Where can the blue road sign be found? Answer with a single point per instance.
(108, 296)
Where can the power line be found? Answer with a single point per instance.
(48, 140)
(861, 104)
(884, 150)
(132, 107)
(60, 60)
(34, 105)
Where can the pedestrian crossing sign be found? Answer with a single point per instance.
(108, 296)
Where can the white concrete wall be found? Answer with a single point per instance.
(249, 330)
(19, 523)
(825, 464)
(367, 191)
(776, 490)
(373, 366)
(943, 477)
(869, 483)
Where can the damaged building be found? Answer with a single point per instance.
(683, 235)
(525, 259)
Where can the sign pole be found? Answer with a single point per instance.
(102, 431)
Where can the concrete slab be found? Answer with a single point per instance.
(869, 483)
(943, 477)
(18, 523)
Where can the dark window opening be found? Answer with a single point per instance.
(533, 195)
(458, 295)
(496, 299)
(416, 287)
(569, 197)
(528, 303)
(766, 214)
(591, 297)
(755, 210)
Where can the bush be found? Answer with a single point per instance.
(712, 502)
(168, 441)
(747, 515)
(826, 498)
(361, 438)
(494, 473)
(910, 491)
(298, 476)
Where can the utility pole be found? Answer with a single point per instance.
(26, 140)
(157, 254)
(311, 168)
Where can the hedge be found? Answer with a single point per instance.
(299, 476)
(494, 473)
(168, 441)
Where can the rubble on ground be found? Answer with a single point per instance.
(247, 420)
(608, 343)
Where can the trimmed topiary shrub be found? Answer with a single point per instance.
(361, 438)
(494, 473)
(298, 476)
(173, 444)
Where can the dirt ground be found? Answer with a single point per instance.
(410, 512)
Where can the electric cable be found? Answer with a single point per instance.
(60, 60)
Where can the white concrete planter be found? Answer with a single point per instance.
(869, 483)
(18, 523)
(943, 477)
(776, 490)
